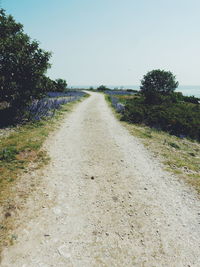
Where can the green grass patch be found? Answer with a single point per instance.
(24, 146)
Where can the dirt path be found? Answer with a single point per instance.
(104, 201)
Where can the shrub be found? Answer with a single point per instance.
(102, 88)
(181, 119)
(191, 99)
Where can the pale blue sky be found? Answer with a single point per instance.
(114, 42)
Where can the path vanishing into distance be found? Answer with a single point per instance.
(104, 200)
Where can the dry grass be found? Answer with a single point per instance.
(181, 156)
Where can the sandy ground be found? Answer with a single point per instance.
(105, 201)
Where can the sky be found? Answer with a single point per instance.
(114, 42)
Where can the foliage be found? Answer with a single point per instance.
(48, 85)
(132, 91)
(46, 107)
(77, 93)
(8, 153)
(116, 104)
(17, 150)
(41, 108)
(22, 64)
(156, 83)
(60, 85)
(176, 97)
(181, 119)
(120, 92)
(191, 99)
(102, 88)
(177, 114)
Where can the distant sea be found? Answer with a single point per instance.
(187, 90)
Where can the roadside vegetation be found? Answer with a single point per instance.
(23, 79)
(21, 152)
(31, 106)
(28, 98)
(24, 145)
(175, 117)
(157, 105)
(180, 156)
(167, 122)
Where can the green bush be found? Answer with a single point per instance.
(102, 88)
(191, 99)
(181, 119)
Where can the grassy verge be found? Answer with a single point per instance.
(18, 151)
(180, 156)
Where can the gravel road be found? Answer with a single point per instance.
(104, 200)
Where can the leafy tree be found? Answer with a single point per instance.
(102, 88)
(48, 85)
(60, 85)
(156, 83)
(22, 64)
